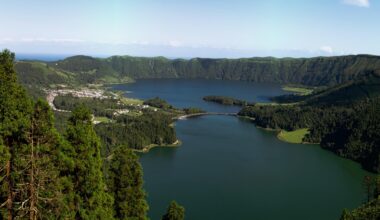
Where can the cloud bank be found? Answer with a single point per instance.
(327, 49)
(359, 3)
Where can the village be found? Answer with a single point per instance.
(126, 105)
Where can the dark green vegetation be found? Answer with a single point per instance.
(366, 86)
(125, 183)
(137, 132)
(48, 175)
(223, 100)
(192, 110)
(158, 103)
(174, 212)
(84, 169)
(344, 119)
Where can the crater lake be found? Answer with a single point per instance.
(227, 168)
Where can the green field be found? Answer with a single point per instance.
(299, 90)
(102, 119)
(131, 101)
(293, 136)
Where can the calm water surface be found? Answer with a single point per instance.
(227, 168)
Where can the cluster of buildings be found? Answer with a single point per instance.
(90, 93)
(83, 93)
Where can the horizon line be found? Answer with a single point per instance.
(62, 56)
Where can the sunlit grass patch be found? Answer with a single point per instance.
(293, 136)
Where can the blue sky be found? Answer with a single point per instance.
(177, 28)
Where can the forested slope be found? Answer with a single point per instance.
(366, 86)
(318, 71)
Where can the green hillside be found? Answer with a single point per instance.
(318, 71)
(366, 86)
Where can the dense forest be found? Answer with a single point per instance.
(319, 71)
(137, 132)
(45, 174)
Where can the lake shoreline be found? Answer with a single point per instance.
(148, 147)
(182, 117)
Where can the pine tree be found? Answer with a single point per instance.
(174, 212)
(88, 197)
(45, 197)
(15, 110)
(126, 184)
(29, 147)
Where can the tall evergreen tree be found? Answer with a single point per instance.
(44, 184)
(126, 184)
(29, 147)
(15, 109)
(174, 212)
(89, 198)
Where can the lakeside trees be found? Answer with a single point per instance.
(125, 181)
(224, 100)
(158, 103)
(174, 212)
(137, 132)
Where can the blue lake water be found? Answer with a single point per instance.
(227, 168)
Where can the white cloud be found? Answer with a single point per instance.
(175, 43)
(360, 3)
(326, 49)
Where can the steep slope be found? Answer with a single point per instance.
(318, 71)
(40, 74)
(367, 86)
